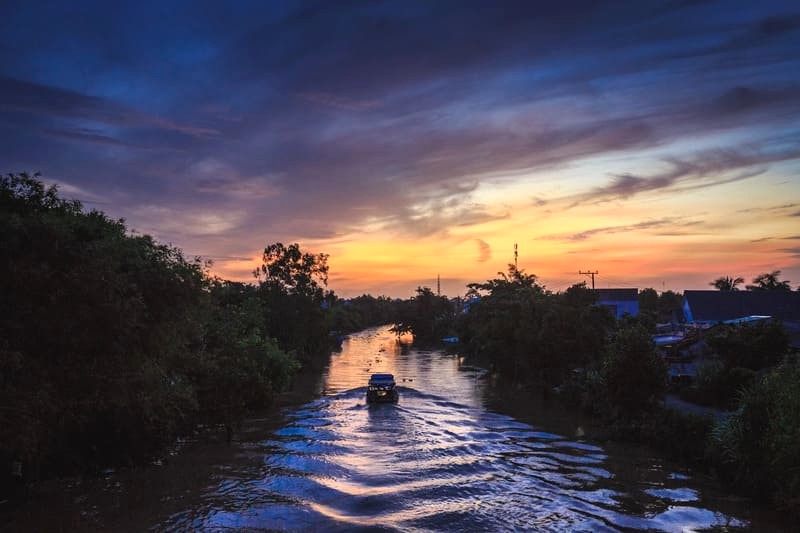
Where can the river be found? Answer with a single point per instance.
(448, 456)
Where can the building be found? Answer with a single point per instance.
(619, 301)
(712, 307)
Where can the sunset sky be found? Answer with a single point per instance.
(658, 143)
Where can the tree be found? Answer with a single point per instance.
(426, 315)
(635, 374)
(670, 305)
(95, 326)
(754, 346)
(294, 271)
(515, 279)
(292, 299)
(526, 332)
(769, 282)
(112, 344)
(758, 442)
(727, 283)
(503, 325)
(648, 301)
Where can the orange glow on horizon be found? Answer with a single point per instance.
(669, 241)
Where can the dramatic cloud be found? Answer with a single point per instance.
(770, 209)
(224, 126)
(52, 103)
(670, 222)
(794, 252)
(706, 169)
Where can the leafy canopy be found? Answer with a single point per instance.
(294, 271)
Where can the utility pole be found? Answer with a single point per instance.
(516, 256)
(589, 273)
(438, 285)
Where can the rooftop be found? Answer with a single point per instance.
(729, 305)
(617, 295)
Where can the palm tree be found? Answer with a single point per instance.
(727, 283)
(769, 282)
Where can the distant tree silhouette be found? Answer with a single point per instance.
(769, 282)
(427, 315)
(291, 291)
(648, 301)
(726, 283)
(293, 271)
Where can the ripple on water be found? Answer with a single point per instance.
(436, 460)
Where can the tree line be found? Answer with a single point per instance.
(112, 344)
(768, 281)
(566, 346)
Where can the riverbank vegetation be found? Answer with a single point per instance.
(562, 342)
(361, 312)
(430, 317)
(112, 344)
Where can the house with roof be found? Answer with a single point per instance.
(705, 308)
(619, 301)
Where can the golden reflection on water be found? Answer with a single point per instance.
(381, 351)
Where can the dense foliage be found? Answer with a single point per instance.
(755, 346)
(428, 316)
(362, 312)
(635, 374)
(757, 447)
(613, 370)
(738, 353)
(525, 331)
(292, 295)
(111, 344)
(664, 307)
(718, 385)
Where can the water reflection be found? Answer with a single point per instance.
(436, 460)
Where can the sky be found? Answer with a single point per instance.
(657, 143)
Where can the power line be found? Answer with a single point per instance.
(590, 273)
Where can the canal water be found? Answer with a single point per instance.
(448, 456)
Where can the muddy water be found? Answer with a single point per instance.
(443, 458)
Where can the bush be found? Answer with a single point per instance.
(717, 386)
(758, 446)
(754, 346)
(635, 374)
